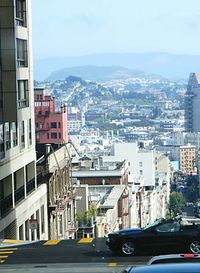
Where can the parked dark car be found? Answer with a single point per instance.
(166, 268)
(164, 236)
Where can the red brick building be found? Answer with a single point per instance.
(50, 125)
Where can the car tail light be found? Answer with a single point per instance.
(188, 256)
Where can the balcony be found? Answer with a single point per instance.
(22, 103)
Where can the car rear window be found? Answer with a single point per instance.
(177, 260)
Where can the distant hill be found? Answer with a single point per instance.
(168, 65)
(96, 73)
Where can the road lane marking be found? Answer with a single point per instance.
(85, 240)
(51, 242)
(3, 257)
(4, 253)
(8, 241)
(112, 264)
(8, 249)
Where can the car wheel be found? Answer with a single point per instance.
(128, 248)
(195, 247)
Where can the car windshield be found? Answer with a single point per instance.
(159, 221)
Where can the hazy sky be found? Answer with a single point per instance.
(79, 27)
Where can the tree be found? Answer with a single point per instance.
(176, 203)
(192, 188)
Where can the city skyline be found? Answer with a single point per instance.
(77, 28)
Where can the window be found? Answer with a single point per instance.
(38, 136)
(27, 230)
(2, 151)
(58, 124)
(38, 224)
(60, 224)
(47, 135)
(39, 97)
(22, 134)
(21, 12)
(54, 135)
(168, 227)
(53, 124)
(140, 164)
(14, 134)
(23, 98)
(21, 53)
(21, 233)
(7, 136)
(42, 219)
(59, 135)
(30, 132)
(141, 172)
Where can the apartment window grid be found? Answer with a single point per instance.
(22, 56)
(21, 13)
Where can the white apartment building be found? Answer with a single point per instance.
(22, 197)
(74, 125)
(140, 162)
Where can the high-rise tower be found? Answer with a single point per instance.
(192, 104)
(22, 197)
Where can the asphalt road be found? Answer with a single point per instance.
(71, 252)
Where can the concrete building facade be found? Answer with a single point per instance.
(22, 197)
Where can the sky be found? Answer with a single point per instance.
(81, 27)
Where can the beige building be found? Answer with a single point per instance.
(101, 209)
(54, 169)
(188, 159)
(22, 198)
